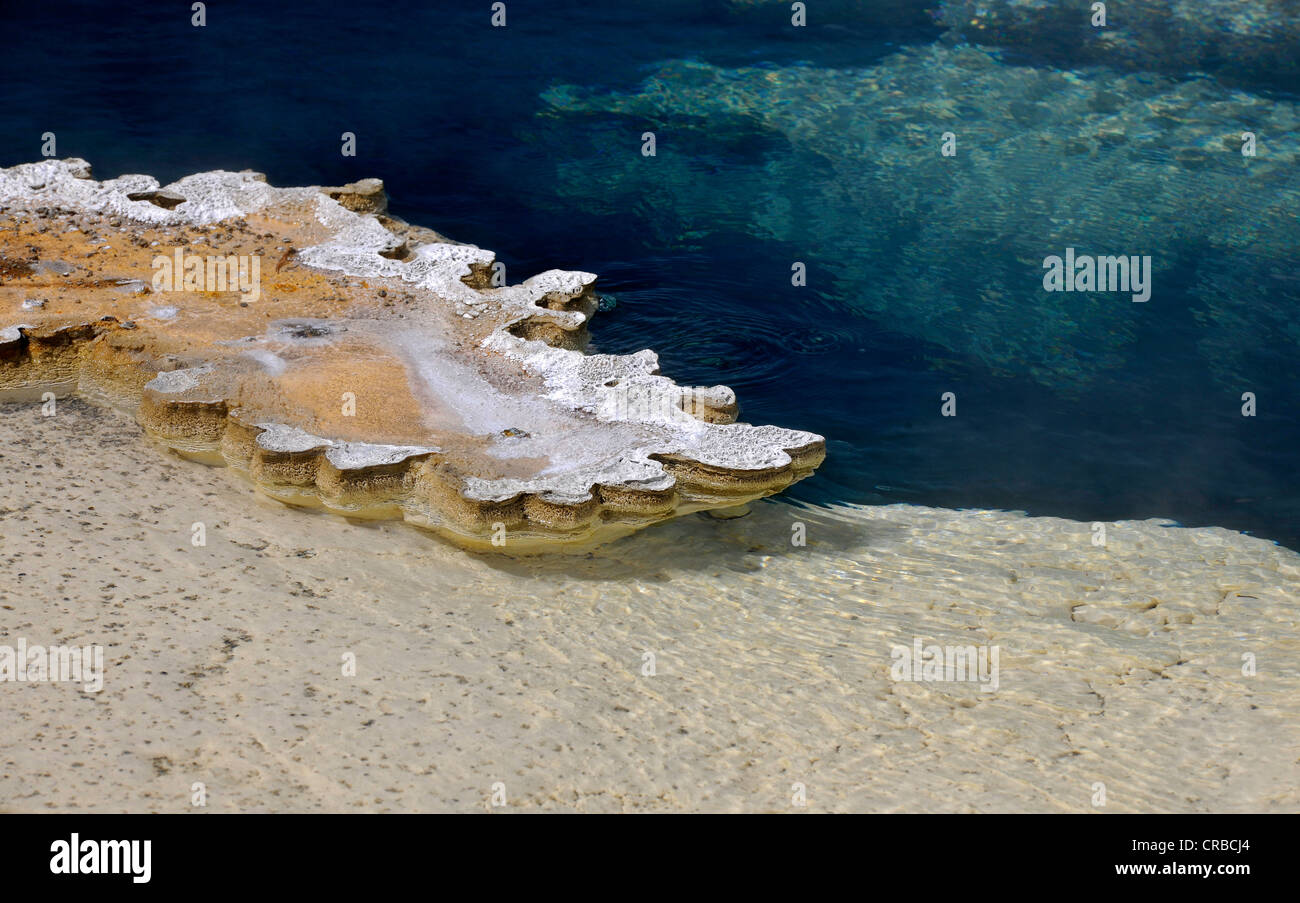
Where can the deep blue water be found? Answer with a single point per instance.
(446, 110)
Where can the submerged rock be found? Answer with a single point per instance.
(844, 168)
(1247, 41)
(346, 377)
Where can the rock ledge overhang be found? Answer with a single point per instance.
(365, 365)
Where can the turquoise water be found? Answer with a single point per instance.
(820, 145)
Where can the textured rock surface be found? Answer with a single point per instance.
(374, 368)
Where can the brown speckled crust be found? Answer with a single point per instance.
(397, 397)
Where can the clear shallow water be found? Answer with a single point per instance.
(526, 140)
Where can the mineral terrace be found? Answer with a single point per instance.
(344, 359)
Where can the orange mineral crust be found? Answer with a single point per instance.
(344, 359)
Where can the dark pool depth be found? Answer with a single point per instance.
(526, 140)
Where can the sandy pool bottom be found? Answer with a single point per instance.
(701, 665)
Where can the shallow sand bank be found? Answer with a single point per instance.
(1119, 664)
